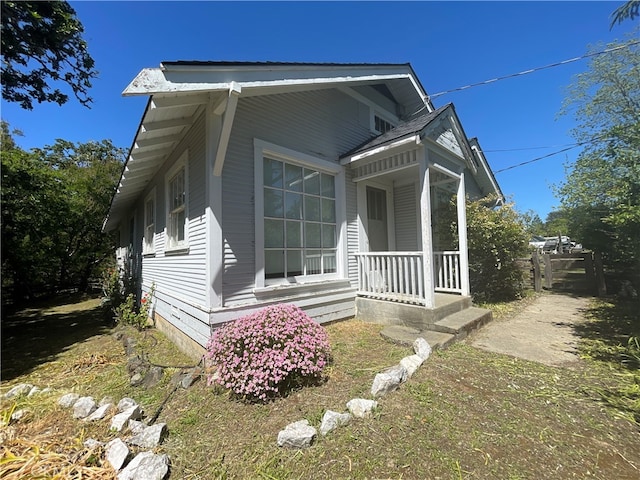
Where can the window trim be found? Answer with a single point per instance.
(182, 246)
(149, 247)
(264, 149)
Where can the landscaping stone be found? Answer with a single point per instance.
(106, 400)
(100, 412)
(33, 391)
(136, 426)
(18, 391)
(92, 443)
(84, 407)
(18, 415)
(388, 381)
(146, 466)
(361, 407)
(129, 345)
(297, 435)
(120, 420)
(137, 364)
(116, 453)
(153, 377)
(136, 380)
(67, 401)
(422, 348)
(149, 437)
(332, 420)
(190, 377)
(411, 364)
(126, 403)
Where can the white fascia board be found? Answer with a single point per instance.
(415, 139)
(152, 81)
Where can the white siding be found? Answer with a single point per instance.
(181, 276)
(352, 227)
(322, 123)
(406, 217)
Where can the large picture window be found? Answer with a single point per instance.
(300, 234)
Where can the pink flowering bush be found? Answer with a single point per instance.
(267, 353)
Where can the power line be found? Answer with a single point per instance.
(499, 150)
(536, 69)
(567, 148)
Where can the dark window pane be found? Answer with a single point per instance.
(293, 177)
(311, 182)
(272, 173)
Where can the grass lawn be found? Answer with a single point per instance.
(466, 413)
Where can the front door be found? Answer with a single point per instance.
(377, 220)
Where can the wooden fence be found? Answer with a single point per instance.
(573, 272)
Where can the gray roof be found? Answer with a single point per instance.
(404, 129)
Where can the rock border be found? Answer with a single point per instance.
(300, 434)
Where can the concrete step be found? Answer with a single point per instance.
(402, 335)
(461, 323)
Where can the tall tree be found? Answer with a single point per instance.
(42, 42)
(54, 200)
(602, 187)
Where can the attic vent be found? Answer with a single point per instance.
(381, 125)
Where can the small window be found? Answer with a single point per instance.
(381, 125)
(177, 193)
(149, 223)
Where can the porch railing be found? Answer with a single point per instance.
(446, 271)
(399, 276)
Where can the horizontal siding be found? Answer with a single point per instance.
(323, 123)
(182, 275)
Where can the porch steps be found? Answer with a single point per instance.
(463, 322)
(444, 332)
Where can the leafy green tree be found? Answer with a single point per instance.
(53, 203)
(532, 223)
(602, 188)
(42, 41)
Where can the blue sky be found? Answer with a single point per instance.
(449, 44)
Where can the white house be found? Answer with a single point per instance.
(318, 184)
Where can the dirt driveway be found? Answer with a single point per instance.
(542, 332)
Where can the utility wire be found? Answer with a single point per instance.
(526, 72)
(567, 148)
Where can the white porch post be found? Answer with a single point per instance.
(427, 240)
(462, 237)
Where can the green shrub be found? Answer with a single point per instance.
(495, 238)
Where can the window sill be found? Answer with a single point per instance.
(176, 251)
(288, 289)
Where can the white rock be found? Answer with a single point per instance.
(332, 420)
(19, 414)
(126, 403)
(146, 466)
(149, 437)
(100, 412)
(422, 348)
(33, 391)
(389, 380)
(68, 400)
(18, 391)
(136, 426)
(84, 407)
(92, 443)
(411, 364)
(116, 453)
(121, 419)
(297, 435)
(361, 407)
